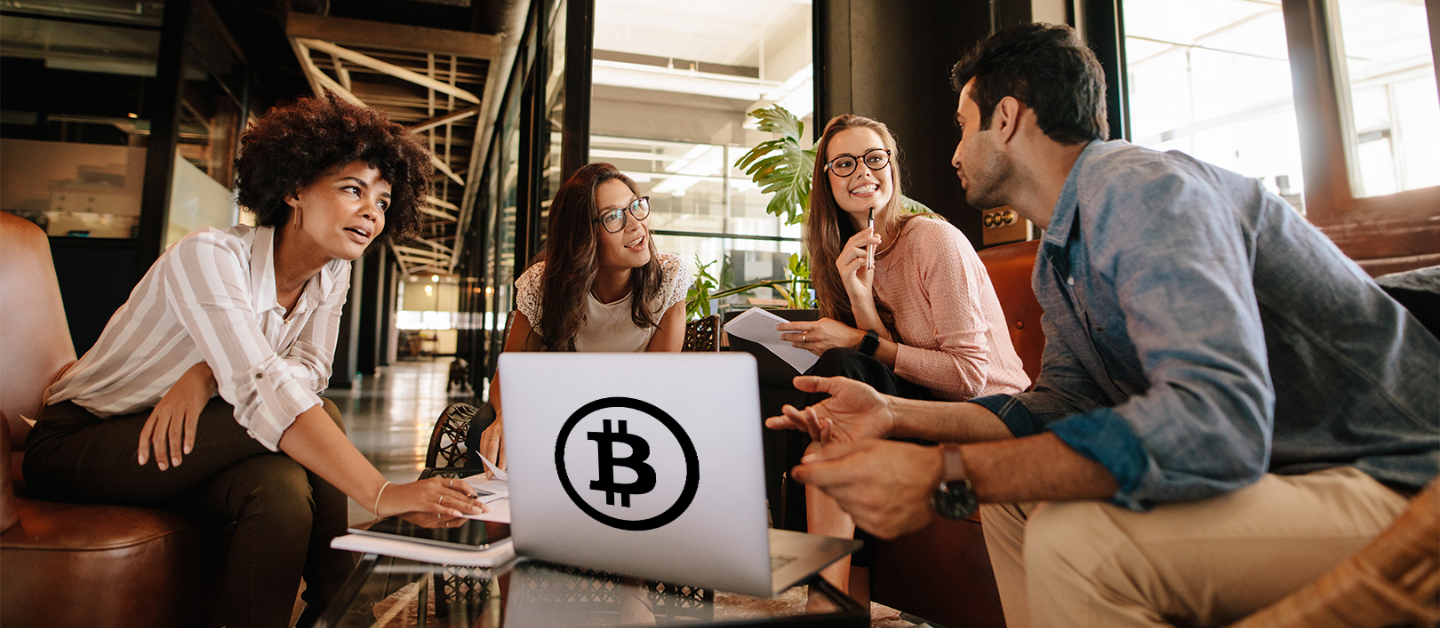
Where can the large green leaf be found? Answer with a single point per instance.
(779, 166)
(913, 206)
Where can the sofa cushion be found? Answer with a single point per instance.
(107, 565)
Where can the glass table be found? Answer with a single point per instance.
(387, 592)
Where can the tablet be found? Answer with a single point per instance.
(470, 534)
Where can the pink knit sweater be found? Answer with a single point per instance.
(954, 337)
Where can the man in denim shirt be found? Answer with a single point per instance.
(1227, 405)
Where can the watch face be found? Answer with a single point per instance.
(955, 500)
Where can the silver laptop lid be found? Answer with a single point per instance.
(646, 464)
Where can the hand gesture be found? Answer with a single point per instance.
(854, 412)
(885, 486)
(852, 264)
(170, 430)
(819, 336)
(441, 497)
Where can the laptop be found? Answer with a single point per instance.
(649, 465)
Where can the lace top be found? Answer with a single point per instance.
(607, 326)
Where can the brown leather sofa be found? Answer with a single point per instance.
(942, 573)
(65, 565)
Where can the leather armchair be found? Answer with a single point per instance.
(943, 573)
(65, 564)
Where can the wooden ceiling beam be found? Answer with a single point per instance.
(445, 119)
(392, 36)
(396, 71)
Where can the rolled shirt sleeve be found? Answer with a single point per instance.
(1196, 418)
(208, 292)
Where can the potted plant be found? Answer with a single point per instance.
(781, 168)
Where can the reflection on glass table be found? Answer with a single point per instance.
(386, 592)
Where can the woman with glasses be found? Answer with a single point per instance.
(599, 285)
(906, 306)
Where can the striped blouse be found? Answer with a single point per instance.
(212, 297)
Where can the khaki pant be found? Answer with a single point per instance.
(1203, 563)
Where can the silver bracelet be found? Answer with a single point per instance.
(377, 498)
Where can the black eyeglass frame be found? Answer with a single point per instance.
(630, 209)
(830, 165)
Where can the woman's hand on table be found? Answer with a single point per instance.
(853, 264)
(819, 336)
(170, 430)
(439, 497)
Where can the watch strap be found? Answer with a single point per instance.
(954, 465)
(870, 343)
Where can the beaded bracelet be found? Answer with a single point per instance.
(377, 498)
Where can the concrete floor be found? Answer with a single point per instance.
(389, 417)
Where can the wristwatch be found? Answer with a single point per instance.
(870, 343)
(955, 498)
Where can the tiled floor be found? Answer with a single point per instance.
(389, 417)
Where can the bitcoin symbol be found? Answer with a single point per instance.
(639, 451)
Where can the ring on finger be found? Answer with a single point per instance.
(442, 500)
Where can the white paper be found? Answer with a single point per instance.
(494, 470)
(497, 510)
(497, 501)
(497, 554)
(758, 326)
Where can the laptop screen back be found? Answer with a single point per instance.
(645, 464)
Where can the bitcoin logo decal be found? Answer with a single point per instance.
(639, 451)
(635, 461)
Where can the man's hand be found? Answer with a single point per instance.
(171, 426)
(885, 486)
(854, 412)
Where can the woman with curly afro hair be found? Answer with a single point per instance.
(215, 365)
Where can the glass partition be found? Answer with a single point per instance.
(74, 129)
(672, 83)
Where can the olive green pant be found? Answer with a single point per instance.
(284, 515)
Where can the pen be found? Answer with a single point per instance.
(870, 249)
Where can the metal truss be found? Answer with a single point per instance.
(431, 80)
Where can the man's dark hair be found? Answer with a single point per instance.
(1047, 68)
(292, 145)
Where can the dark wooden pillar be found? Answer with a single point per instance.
(347, 343)
(367, 341)
(864, 69)
(164, 111)
(386, 307)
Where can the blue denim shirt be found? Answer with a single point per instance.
(1200, 332)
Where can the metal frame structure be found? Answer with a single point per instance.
(437, 83)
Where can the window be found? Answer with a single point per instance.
(672, 83)
(1331, 103)
(1392, 125)
(1211, 78)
